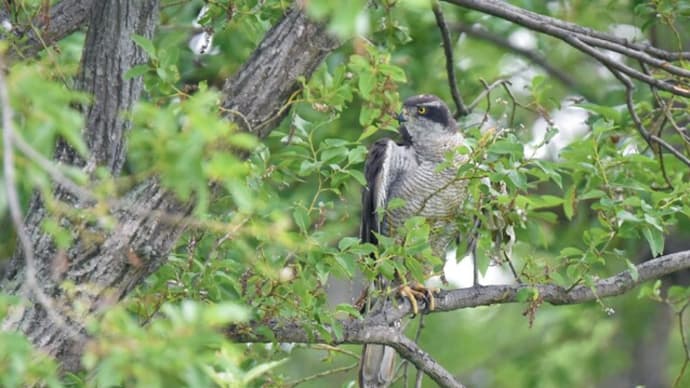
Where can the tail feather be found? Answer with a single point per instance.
(377, 367)
(378, 364)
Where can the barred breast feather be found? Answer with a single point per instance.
(401, 171)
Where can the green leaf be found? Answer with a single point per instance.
(367, 115)
(348, 309)
(368, 131)
(593, 194)
(301, 217)
(415, 268)
(655, 239)
(225, 312)
(650, 290)
(571, 252)
(387, 269)
(61, 236)
(366, 85)
(527, 294)
(634, 274)
(396, 73)
(518, 179)
(544, 201)
(678, 295)
(569, 203)
(625, 215)
(508, 147)
(359, 176)
(258, 370)
(549, 217)
(145, 44)
(347, 242)
(137, 71)
(347, 263)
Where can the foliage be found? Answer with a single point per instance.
(21, 365)
(275, 219)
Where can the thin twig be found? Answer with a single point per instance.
(322, 374)
(486, 91)
(50, 167)
(450, 63)
(330, 348)
(648, 137)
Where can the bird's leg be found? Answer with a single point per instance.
(416, 291)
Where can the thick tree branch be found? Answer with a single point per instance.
(61, 20)
(259, 93)
(111, 262)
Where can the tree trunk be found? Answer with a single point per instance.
(108, 53)
(106, 264)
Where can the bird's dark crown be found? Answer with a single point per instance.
(434, 108)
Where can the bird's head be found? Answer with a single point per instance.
(425, 117)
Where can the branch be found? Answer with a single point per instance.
(588, 41)
(376, 328)
(530, 55)
(450, 62)
(556, 295)
(646, 135)
(63, 19)
(354, 332)
(263, 86)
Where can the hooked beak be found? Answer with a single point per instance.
(401, 118)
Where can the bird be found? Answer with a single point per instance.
(421, 170)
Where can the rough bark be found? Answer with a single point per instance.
(110, 263)
(61, 20)
(259, 91)
(108, 53)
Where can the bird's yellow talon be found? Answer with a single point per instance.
(418, 291)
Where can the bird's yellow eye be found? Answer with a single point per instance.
(421, 110)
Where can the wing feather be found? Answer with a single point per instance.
(379, 173)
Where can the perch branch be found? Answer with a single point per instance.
(375, 328)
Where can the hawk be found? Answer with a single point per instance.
(416, 170)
